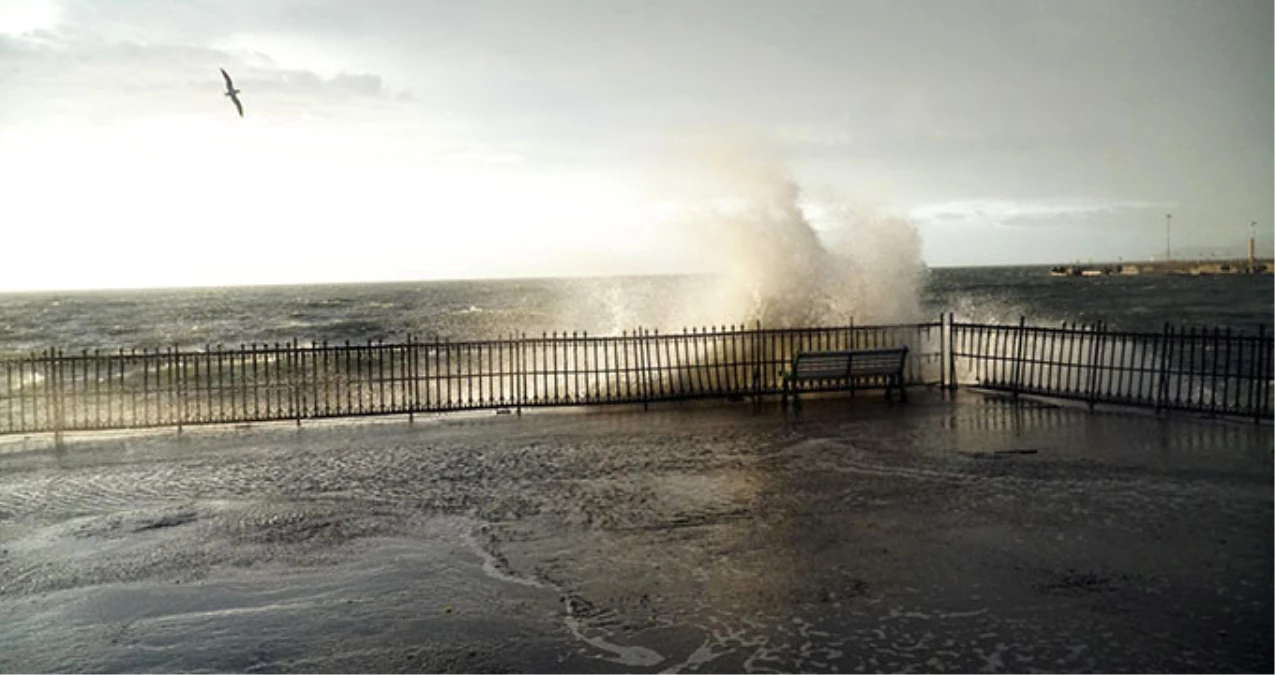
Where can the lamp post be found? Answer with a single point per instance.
(1252, 244)
(1168, 225)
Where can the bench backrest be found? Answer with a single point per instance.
(848, 363)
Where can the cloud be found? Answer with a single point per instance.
(815, 134)
(23, 16)
(68, 76)
(308, 83)
(1121, 108)
(362, 84)
(1023, 213)
(481, 154)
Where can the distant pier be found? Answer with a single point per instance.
(1183, 268)
(1194, 268)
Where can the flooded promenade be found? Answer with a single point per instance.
(959, 534)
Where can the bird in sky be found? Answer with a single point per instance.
(232, 92)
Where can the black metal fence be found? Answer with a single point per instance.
(1213, 371)
(1210, 371)
(55, 391)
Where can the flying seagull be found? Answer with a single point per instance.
(232, 92)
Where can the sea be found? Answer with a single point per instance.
(195, 318)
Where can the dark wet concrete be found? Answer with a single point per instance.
(966, 535)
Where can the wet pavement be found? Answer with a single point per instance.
(967, 534)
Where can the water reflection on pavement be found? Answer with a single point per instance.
(941, 535)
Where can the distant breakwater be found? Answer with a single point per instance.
(1189, 268)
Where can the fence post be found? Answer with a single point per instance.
(55, 381)
(9, 397)
(756, 357)
(644, 377)
(294, 380)
(1018, 355)
(951, 351)
(1213, 371)
(1162, 385)
(409, 387)
(1259, 375)
(1091, 348)
(1095, 363)
(942, 352)
(522, 371)
(179, 376)
(656, 384)
(426, 407)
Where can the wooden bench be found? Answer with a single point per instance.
(858, 368)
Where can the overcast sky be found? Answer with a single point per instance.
(410, 139)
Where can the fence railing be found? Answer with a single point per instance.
(55, 391)
(1210, 371)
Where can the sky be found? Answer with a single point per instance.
(423, 139)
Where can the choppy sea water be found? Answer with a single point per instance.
(1132, 303)
(459, 310)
